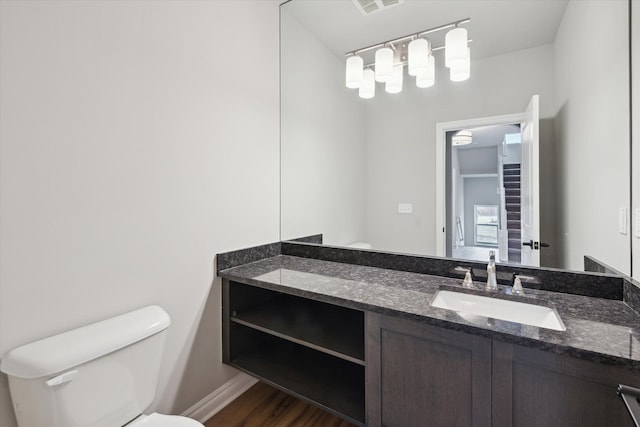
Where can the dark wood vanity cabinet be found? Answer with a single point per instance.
(420, 375)
(378, 370)
(534, 388)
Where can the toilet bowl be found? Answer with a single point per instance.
(100, 375)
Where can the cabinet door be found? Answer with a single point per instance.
(419, 375)
(538, 388)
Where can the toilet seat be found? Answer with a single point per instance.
(160, 420)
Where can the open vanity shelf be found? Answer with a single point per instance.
(330, 329)
(311, 349)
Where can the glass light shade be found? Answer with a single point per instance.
(464, 137)
(428, 77)
(353, 78)
(368, 87)
(384, 64)
(419, 50)
(394, 84)
(462, 70)
(455, 47)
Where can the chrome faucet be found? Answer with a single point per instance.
(492, 283)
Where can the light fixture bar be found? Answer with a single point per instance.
(410, 36)
(433, 49)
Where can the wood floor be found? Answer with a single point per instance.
(265, 406)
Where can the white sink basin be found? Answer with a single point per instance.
(512, 311)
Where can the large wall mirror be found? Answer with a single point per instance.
(382, 172)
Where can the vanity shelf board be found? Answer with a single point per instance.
(329, 382)
(334, 330)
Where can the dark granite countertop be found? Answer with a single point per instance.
(601, 330)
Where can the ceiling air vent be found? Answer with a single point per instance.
(367, 7)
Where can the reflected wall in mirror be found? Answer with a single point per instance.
(348, 164)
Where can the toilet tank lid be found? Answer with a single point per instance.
(75, 347)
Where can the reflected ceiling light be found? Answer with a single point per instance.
(368, 88)
(384, 64)
(461, 70)
(394, 84)
(463, 137)
(455, 47)
(428, 77)
(353, 78)
(413, 50)
(418, 52)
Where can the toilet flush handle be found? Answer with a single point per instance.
(62, 378)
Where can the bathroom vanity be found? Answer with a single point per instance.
(354, 333)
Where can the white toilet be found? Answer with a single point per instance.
(100, 375)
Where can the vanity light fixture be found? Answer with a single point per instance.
(419, 53)
(463, 137)
(354, 72)
(384, 64)
(428, 77)
(455, 48)
(461, 70)
(368, 88)
(413, 50)
(394, 84)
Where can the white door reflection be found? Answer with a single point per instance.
(483, 200)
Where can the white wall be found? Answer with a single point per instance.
(138, 139)
(591, 62)
(401, 132)
(477, 191)
(322, 142)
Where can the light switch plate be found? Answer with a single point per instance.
(637, 223)
(622, 220)
(405, 208)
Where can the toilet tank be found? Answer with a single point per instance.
(100, 375)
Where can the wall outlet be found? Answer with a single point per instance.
(405, 208)
(622, 220)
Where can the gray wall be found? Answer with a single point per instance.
(513, 154)
(478, 160)
(588, 202)
(323, 142)
(635, 85)
(477, 191)
(134, 146)
(454, 187)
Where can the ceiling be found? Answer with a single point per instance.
(488, 136)
(496, 27)
(481, 155)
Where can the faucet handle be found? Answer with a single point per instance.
(517, 288)
(468, 279)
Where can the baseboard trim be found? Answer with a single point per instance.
(221, 397)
